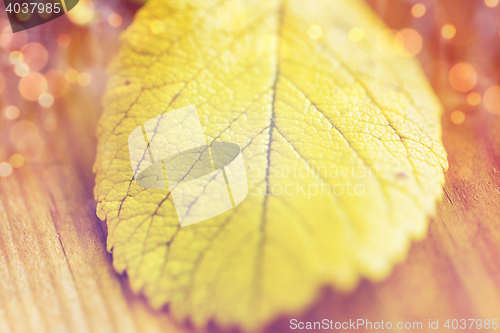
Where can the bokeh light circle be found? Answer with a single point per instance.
(16, 160)
(418, 10)
(5, 169)
(408, 42)
(21, 69)
(46, 100)
(16, 57)
(473, 98)
(462, 77)
(83, 13)
(115, 20)
(84, 79)
(314, 31)
(71, 75)
(448, 31)
(11, 112)
(491, 3)
(491, 100)
(35, 56)
(32, 86)
(457, 117)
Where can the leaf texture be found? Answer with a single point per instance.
(308, 114)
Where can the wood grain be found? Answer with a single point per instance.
(56, 273)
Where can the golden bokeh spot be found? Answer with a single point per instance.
(462, 77)
(115, 20)
(83, 13)
(448, 31)
(473, 98)
(356, 34)
(46, 100)
(11, 112)
(157, 27)
(314, 31)
(16, 160)
(457, 117)
(16, 57)
(5, 169)
(491, 100)
(21, 69)
(418, 10)
(84, 79)
(408, 42)
(71, 75)
(491, 3)
(32, 86)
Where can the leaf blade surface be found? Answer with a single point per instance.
(329, 108)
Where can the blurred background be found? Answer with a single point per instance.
(53, 71)
(52, 78)
(43, 68)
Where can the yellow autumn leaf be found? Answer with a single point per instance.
(340, 137)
